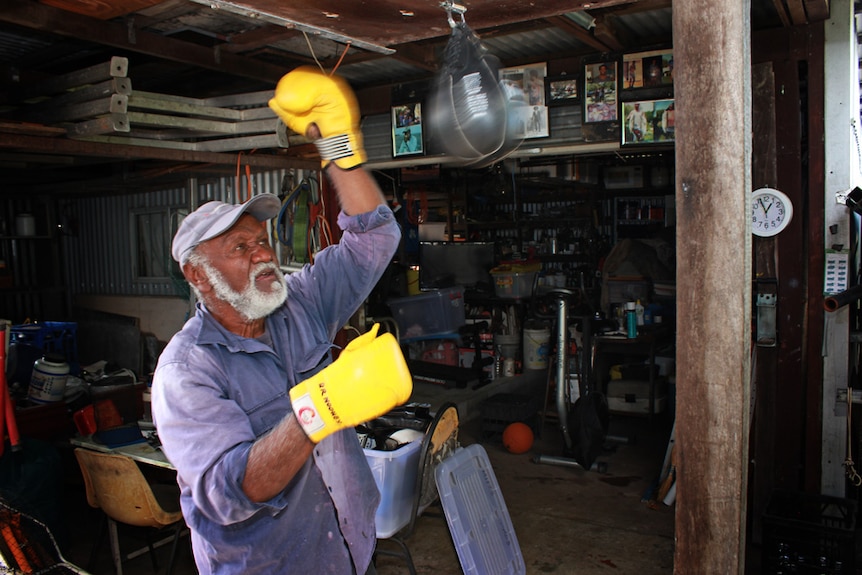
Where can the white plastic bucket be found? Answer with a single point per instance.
(507, 344)
(536, 348)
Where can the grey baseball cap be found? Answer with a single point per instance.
(215, 218)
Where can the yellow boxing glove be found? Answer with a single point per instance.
(307, 96)
(368, 379)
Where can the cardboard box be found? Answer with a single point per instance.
(632, 396)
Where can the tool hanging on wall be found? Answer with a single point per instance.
(238, 183)
(319, 233)
(301, 225)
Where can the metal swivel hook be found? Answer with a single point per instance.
(452, 8)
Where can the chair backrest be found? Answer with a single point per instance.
(439, 442)
(115, 484)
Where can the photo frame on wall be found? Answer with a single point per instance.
(652, 69)
(600, 92)
(562, 90)
(648, 121)
(525, 88)
(407, 136)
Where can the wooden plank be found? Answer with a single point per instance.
(31, 129)
(200, 125)
(40, 17)
(114, 104)
(85, 94)
(102, 10)
(102, 125)
(117, 67)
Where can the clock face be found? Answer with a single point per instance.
(771, 211)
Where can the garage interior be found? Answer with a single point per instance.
(120, 117)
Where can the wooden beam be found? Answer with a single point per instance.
(580, 33)
(36, 144)
(817, 10)
(714, 253)
(46, 19)
(782, 12)
(797, 12)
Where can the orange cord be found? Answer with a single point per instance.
(343, 54)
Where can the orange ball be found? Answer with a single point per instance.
(518, 437)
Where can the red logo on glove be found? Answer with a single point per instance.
(306, 415)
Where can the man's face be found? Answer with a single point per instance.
(240, 266)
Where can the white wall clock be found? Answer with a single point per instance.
(771, 212)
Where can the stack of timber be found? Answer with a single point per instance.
(98, 104)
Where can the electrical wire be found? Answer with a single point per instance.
(311, 50)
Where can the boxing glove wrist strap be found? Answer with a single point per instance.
(335, 147)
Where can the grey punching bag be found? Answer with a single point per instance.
(468, 108)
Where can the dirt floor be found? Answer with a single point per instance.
(566, 520)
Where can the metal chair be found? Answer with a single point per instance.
(439, 442)
(27, 545)
(116, 485)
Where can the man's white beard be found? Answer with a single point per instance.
(251, 303)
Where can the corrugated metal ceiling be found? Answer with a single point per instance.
(188, 48)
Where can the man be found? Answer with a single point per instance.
(637, 122)
(250, 408)
(409, 144)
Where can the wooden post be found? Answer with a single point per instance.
(712, 85)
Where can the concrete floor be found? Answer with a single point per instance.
(566, 519)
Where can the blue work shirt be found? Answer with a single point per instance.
(215, 393)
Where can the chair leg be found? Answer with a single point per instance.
(115, 546)
(174, 547)
(152, 549)
(103, 529)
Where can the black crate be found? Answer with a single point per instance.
(498, 411)
(808, 533)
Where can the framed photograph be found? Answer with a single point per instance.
(648, 122)
(407, 130)
(525, 88)
(647, 70)
(562, 90)
(600, 92)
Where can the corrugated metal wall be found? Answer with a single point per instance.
(99, 259)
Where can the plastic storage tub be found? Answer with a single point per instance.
(395, 474)
(429, 314)
(512, 284)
